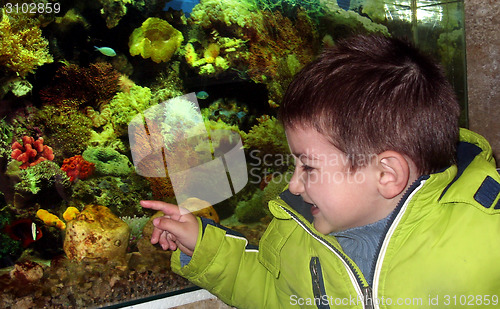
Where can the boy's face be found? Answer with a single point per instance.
(340, 198)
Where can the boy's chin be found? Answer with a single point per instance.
(322, 228)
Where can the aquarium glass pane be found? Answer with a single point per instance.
(107, 103)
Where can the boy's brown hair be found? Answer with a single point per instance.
(369, 94)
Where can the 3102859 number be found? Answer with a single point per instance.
(471, 300)
(32, 8)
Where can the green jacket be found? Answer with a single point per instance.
(441, 250)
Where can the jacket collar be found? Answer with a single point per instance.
(298, 204)
(475, 163)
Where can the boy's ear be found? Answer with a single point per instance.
(393, 171)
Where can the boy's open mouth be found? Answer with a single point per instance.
(314, 209)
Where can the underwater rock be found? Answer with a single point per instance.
(147, 250)
(200, 208)
(27, 271)
(96, 233)
(155, 39)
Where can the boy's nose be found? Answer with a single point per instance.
(296, 185)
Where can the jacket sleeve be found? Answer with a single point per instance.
(226, 266)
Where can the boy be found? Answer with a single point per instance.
(390, 205)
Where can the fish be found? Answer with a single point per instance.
(106, 51)
(24, 230)
(185, 5)
(202, 95)
(226, 113)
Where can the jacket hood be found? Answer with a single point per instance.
(474, 162)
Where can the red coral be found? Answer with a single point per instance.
(77, 168)
(31, 152)
(93, 86)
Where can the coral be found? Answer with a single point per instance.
(108, 161)
(272, 43)
(180, 116)
(341, 23)
(70, 213)
(125, 105)
(22, 46)
(94, 85)
(50, 219)
(136, 225)
(98, 119)
(375, 10)
(216, 57)
(44, 181)
(252, 210)
(122, 195)
(18, 86)
(77, 168)
(71, 17)
(31, 152)
(211, 54)
(155, 39)
(255, 43)
(275, 186)
(219, 133)
(66, 129)
(256, 207)
(96, 233)
(228, 111)
(161, 187)
(268, 137)
(113, 11)
(233, 15)
(168, 84)
(6, 133)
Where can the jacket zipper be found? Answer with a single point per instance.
(318, 283)
(363, 291)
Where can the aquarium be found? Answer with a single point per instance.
(107, 103)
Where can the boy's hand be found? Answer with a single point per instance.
(177, 229)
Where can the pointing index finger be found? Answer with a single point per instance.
(166, 208)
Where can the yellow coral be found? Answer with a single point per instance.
(155, 39)
(50, 219)
(22, 47)
(211, 52)
(70, 213)
(190, 54)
